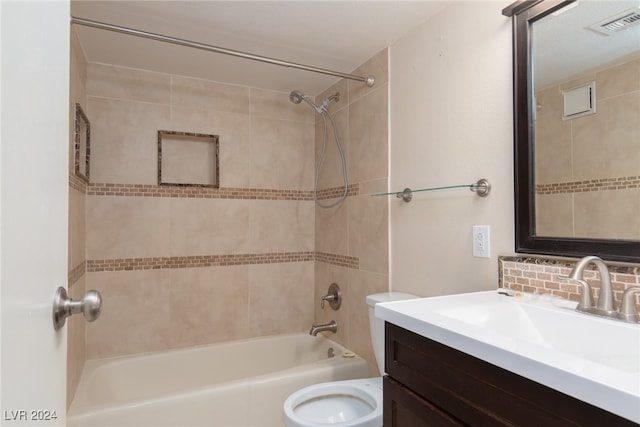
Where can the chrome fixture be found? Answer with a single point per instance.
(331, 327)
(628, 311)
(297, 97)
(604, 308)
(90, 306)
(334, 296)
(368, 80)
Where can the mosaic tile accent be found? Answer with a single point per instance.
(335, 192)
(77, 183)
(76, 273)
(340, 260)
(189, 191)
(544, 276)
(604, 184)
(155, 263)
(145, 190)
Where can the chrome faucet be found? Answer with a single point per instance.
(331, 327)
(627, 311)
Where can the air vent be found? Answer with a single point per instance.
(618, 22)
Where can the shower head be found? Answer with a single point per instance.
(296, 96)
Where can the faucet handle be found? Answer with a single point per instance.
(628, 310)
(586, 299)
(334, 296)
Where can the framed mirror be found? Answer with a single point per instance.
(577, 127)
(82, 144)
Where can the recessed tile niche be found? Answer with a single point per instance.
(188, 159)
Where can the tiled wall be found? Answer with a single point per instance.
(76, 355)
(358, 228)
(544, 275)
(182, 266)
(587, 165)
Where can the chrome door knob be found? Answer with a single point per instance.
(63, 307)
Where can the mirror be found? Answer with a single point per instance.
(577, 127)
(81, 144)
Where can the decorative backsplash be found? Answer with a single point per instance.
(544, 275)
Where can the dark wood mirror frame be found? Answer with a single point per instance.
(524, 13)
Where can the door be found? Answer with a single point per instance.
(33, 199)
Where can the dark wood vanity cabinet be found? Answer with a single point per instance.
(430, 384)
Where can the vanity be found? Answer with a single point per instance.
(494, 360)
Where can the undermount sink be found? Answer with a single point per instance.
(544, 339)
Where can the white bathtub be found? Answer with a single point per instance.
(241, 383)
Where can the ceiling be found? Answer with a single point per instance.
(336, 35)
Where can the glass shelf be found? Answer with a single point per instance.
(481, 188)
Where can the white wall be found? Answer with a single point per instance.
(451, 123)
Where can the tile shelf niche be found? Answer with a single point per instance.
(186, 158)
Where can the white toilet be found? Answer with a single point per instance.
(353, 403)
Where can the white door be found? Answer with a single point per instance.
(33, 199)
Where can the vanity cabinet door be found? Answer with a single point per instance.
(404, 408)
(437, 379)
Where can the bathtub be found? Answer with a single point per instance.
(240, 383)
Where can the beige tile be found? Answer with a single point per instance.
(127, 227)
(233, 132)
(281, 154)
(208, 305)
(276, 105)
(331, 174)
(208, 95)
(378, 66)
(282, 226)
(608, 214)
(375, 186)
(554, 215)
(368, 136)
(77, 91)
(332, 228)
(135, 314)
(614, 134)
(209, 226)
(553, 153)
(128, 83)
(124, 140)
(77, 228)
(368, 232)
(618, 80)
(280, 298)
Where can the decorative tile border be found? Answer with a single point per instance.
(340, 260)
(155, 263)
(605, 184)
(77, 183)
(544, 276)
(188, 191)
(76, 273)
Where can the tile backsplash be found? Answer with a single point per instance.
(544, 275)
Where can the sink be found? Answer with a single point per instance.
(544, 339)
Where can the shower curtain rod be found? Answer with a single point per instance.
(368, 80)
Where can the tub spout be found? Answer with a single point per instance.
(331, 326)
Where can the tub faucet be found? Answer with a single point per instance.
(605, 299)
(331, 327)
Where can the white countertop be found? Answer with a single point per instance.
(592, 359)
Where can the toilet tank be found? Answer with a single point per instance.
(376, 326)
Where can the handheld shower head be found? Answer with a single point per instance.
(296, 96)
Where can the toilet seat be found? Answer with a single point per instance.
(353, 403)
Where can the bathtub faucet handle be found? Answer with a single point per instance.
(334, 296)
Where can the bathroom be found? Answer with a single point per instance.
(409, 130)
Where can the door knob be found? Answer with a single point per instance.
(63, 307)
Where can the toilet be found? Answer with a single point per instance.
(352, 403)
